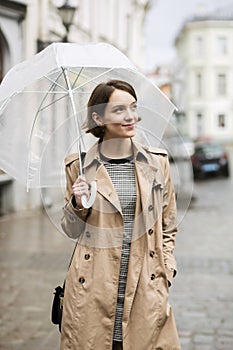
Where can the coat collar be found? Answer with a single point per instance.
(146, 168)
(139, 151)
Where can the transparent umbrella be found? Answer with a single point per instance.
(42, 108)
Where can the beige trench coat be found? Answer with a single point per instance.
(92, 280)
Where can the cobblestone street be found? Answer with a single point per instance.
(34, 258)
(202, 291)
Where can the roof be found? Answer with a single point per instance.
(221, 13)
(224, 13)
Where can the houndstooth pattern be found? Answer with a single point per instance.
(123, 178)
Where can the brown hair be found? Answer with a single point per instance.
(98, 100)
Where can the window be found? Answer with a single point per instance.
(199, 124)
(221, 120)
(221, 84)
(221, 48)
(199, 84)
(199, 46)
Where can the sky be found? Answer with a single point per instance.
(163, 23)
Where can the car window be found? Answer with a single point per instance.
(208, 149)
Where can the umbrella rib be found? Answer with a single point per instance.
(45, 92)
(50, 91)
(80, 71)
(55, 82)
(4, 105)
(52, 103)
(93, 79)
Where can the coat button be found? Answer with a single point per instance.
(87, 256)
(81, 279)
(152, 253)
(150, 231)
(88, 235)
(152, 277)
(150, 208)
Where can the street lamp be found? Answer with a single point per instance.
(66, 13)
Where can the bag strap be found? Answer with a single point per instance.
(64, 283)
(83, 154)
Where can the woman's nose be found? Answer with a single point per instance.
(130, 115)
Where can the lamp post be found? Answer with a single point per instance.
(66, 12)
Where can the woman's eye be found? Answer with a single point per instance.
(134, 107)
(118, 110)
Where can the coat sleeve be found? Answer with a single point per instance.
(74, 219)
(169, 222)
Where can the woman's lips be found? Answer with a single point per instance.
(128, 126)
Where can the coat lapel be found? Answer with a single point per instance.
(148, 178)
(105, 186)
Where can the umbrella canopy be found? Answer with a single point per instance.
(43, 105)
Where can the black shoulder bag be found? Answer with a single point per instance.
(57, 305)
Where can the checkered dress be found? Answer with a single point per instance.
(122, 174)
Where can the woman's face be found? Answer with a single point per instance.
(120, 115)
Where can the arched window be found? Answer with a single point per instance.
(4, 54)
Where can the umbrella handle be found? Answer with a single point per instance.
(88, 203)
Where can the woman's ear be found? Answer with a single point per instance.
(97, 119)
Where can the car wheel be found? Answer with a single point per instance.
(226, 172)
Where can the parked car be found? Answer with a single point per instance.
(210, 158)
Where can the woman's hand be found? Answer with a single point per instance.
(81, 187)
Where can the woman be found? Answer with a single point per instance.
(116, 294)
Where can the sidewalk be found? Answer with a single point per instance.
(33, 261)
(34, 258)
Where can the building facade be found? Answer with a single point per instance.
(27, 26)
(203, 78)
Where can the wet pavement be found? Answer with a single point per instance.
(34, 257)
(202, 295)
(33, 260)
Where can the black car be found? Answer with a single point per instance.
(209, 158)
